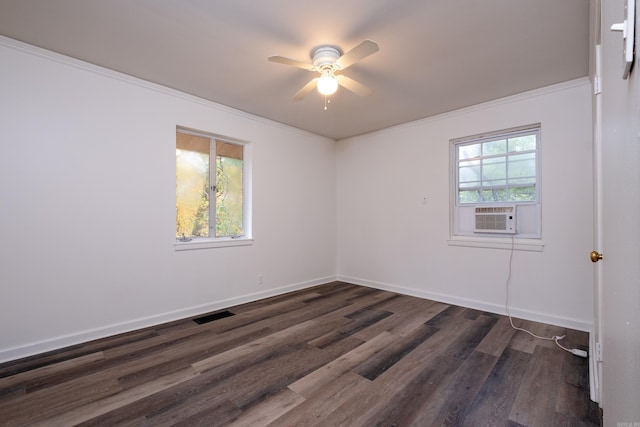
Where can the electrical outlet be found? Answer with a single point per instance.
(260, 279)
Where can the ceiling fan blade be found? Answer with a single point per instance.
(356, 54)
(292, 62)
(306, 89)
(354, 86)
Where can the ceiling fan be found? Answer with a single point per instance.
(327, 60)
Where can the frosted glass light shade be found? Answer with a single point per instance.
(327, 84)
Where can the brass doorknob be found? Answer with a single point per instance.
(595, 256)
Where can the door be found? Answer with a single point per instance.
(619, 298)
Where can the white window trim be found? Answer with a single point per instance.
(209, 243)
(530, 245)
(496, 241)
(223, 242)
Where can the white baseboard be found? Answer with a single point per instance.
(565, 322)
(80, 337)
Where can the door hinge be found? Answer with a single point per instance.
(598, 352)
(597, 85)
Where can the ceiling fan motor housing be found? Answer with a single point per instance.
(325, 56)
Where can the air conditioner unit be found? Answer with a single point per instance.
(495, 219)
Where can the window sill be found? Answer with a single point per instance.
(531, 245)
(211, 243)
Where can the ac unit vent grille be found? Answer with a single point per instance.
(495, 219)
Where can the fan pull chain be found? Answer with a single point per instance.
(326, 101)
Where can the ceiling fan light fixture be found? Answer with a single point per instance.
(327, 84)
(327, 60)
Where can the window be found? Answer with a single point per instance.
(497, 169)
(211, 196)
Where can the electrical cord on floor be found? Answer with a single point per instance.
(555, 338)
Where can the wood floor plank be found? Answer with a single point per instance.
(155, 358)
(462, 389)
(216, 389)
(300, 308)
(269, 377)
(492, 405)
(264, 344)
(274, 302)
(362, 305)
(380, 302)
(535, 401)
(402, 319)
(433, 310)
(403, 325)
(262, 312)
(445, 316)
(424, 394)
(230, 340)
(471, 314)
(167, 406)
(326, 374)
(385, 403)
(571, 391)
(466, 342)
(114, 401)
(407, 401)
(362, 321)
(214, 415)
(163, 338)
(273, 376)
(334, 354)
(56, 356)
(498, 338)
(379, 363)
(56, 400)
(274, 407)
(42, 373)
(398, 394)
(178, 355)
(527, 343)
(204, 406)
(323, 400)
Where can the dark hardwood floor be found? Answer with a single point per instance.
(336, 354)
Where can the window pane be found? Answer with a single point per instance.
(468, 185)
(470, 173)
(519, 181)
(468, 151)
(192, 195)
(493, 148)
(522, 143)
(522, 165)
(494, 169)
(469, 196)
(229, 179)
(495, 195)
(522, 194)
(494, 183)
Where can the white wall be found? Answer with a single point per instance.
(388, 238)
(87, 205)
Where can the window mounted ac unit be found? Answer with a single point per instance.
(495, 219)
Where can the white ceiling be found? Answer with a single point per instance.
(435, 55)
